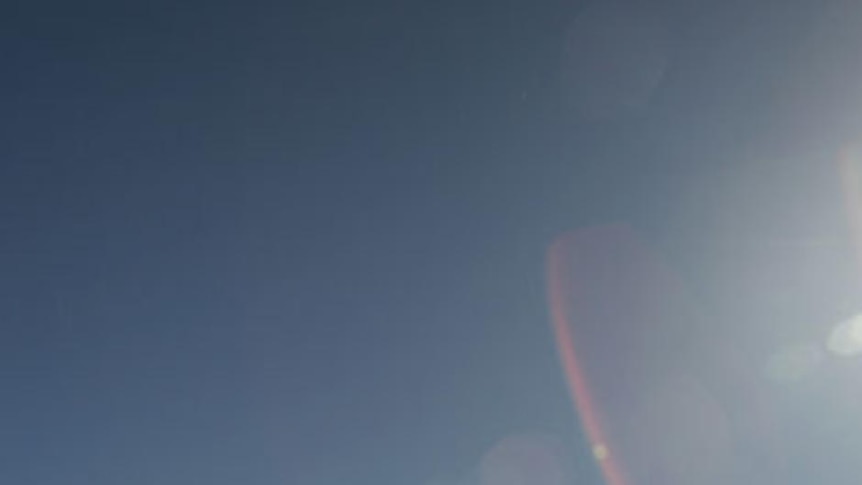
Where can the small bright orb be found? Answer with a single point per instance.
(600, 452)
(846, 339)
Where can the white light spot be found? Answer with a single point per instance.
(846, 339)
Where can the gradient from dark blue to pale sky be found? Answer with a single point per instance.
(303, 242)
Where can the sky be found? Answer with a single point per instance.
(304, 243)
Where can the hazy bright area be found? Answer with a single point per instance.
(346, 242)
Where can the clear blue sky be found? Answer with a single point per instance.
(302, 242)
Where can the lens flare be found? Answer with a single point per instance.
(846, 339)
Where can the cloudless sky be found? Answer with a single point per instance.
(303, 242)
